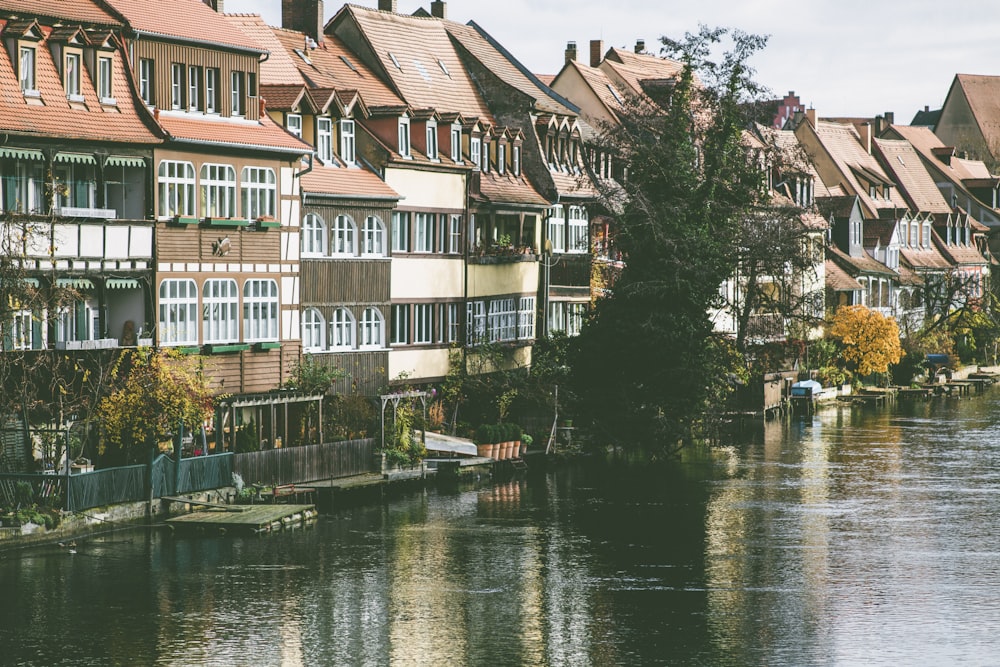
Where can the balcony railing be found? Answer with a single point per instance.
(80, 212)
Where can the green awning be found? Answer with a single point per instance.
(121, 283)
(123, 161)
(76, 158)
(75, 283)
(21, 154)
(30, 281)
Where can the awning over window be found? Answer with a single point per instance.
(124, 161)
(21, 154)
(75, 283)
(33, 282)
(76, 158)
(121, 283)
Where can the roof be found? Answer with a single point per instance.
(208, 130)
(509, 189)
(430, 73)
(903, 162)
(82, 11)
(856, 266)
(841, 206)
(183, 20)
(56, 118)
(279, 68)
(346, 182)
(983, 94)
(843, 144)
(838, 280)
(639, 70)
(926, 118)
(879, 232)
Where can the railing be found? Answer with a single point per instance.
(294, 465)
(199, 473)
(107, 487)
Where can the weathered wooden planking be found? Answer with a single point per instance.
(257, 517)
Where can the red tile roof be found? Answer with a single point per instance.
(842, 143)
(906, 168)
(184, 20)
(509, 189)
(82, 11)
(56, 118)
(838, 280)
(279, 68)
(263, 134)
(346, 182)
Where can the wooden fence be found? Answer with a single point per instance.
(295, 465)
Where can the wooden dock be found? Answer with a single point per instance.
(246, 518)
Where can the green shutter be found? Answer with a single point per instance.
(36, 331)
(81, 320)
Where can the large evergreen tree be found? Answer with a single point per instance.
(649, 364)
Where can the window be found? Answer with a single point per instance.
(259, 192)
(374, 237)
(176, 188)
(574, 320)
(515, 160)
(194, 88)
(526, 318)
(260, 310)
(324, 140)
(502, 158)
(293, 123)
(423, 320)
(432, 140)
(404, 137)
(344, 235)
(502, 320)
(236, 93)
(453, 323)
(23, 186)
(475, 148)
(78, 320)
(454, 234)
(915, 235)
(22, 328)
(347, 142)
(178, 323)
(424, 232)
(313, 235)
(71, 77)
(927, 234)
(312, 331)
(176, 86)
(146, 80)
(557, 316)
(400, 231)
(903, 232)
(400, 323)
(456, 144)
(218, 191)
(475, 322)
(557, 229)
(342, 330)
(577, 229)
(212, 90)
(26, 71)
(104, 88)
(76, 185)
(219, 311)
(371, 331)
(485, 166)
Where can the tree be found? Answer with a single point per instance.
(648, 366)
(153, 393)
(870, 340)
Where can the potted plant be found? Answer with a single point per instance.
(483, 439)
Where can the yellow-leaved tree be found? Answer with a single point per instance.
(153, 393)
(870, 340)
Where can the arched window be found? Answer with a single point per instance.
(313, 235)
(178, 312)
(342, 330)
(313, 338)
(344, 236)
(260, 310)
(372, 330)
(373, 241)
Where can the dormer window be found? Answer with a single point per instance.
(176, 86)
(475, 149)
(324, 140)
(903, 231)
(237, 95)
(212, 90)
(404, 137)
(927, 234)
(502, 158)
(515, 160)
(194, 88)
(914, 235)
(26, 71)
(293, 123)
(71, 77)
(104, 75)
(432, 140)
(485, 166)
(347, 142)
(146, 80)
(456, 144)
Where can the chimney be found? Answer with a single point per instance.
(890, 118)
(596, 52)
(439, 9)
(570, 51)
(865, 130)
(303, 15)
(811, 116)
(640, 46)
(387, 5)
(216, 5)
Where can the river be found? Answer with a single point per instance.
(847, 538)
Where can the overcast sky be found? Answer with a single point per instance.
(843, 57)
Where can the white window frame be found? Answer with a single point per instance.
(66, 320)
(475, 151)
(400, 231)
(293, 123)
(26, 70)
(557, 316)
(105, 79)
(423, 230)
(485, 166)
(348, 143)
(475, 323)
(575, 314)
(71, 75)
(220, 315)
(176, 184)
(313, 331)
(261, 306)
(526, 318)
(313, 236)
(454, 234)
(258, 192)
(927, 235)
(177, 86)
(423, 323)
(193, 88)
(344, 236)
(22, 330)
(403, 132)
(324, 139)
(342, 330)
(515, 158)
(217, 190)
(237, 84)
(502, 320)
(372, 330)
(454, 323)
(557, 228)
(400, 324)
(456, 144)
(178, 307)
(146, 68)
(579, 223)
(432, 141)
(502, 158)
(373, 238)
(211, 90)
